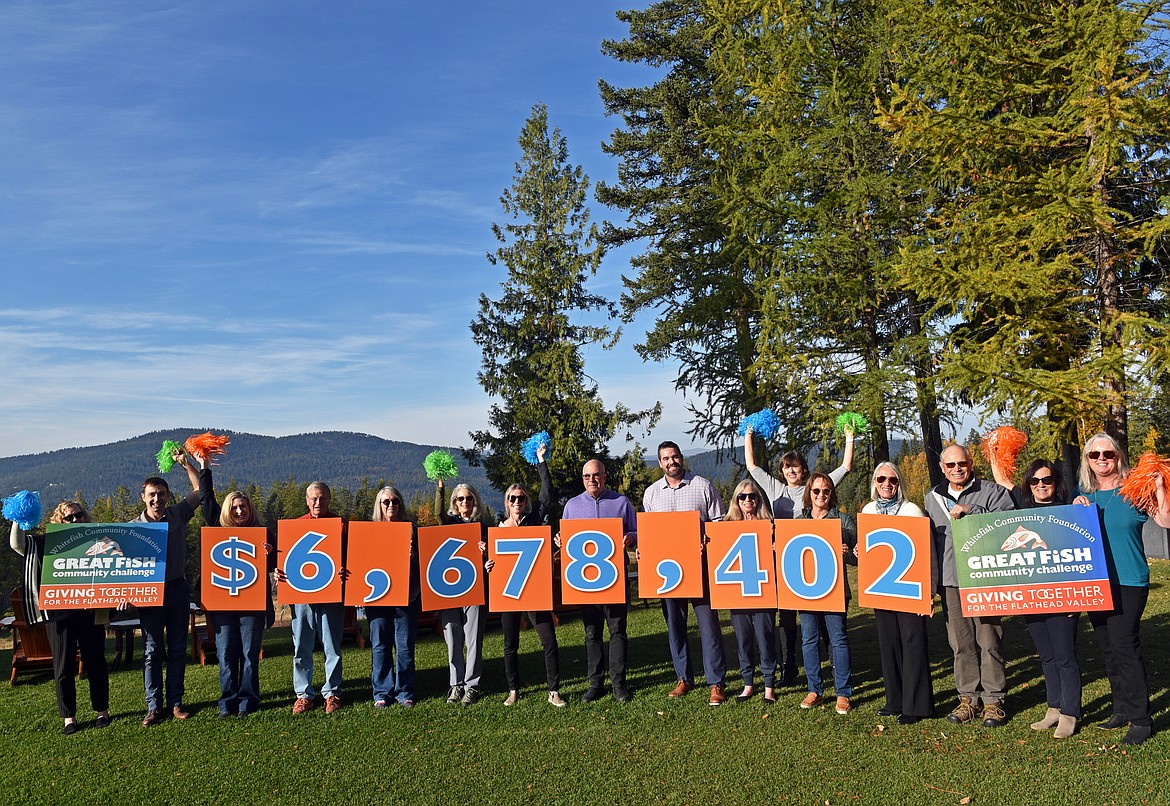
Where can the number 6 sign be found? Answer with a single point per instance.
(593, 562)
(311, 561)
(451, 566)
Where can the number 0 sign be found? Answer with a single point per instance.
(808, 557)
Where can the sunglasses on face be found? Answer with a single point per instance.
(391, 501)
(1038, 481)
(589, 476)
(953, 465)
(884, 479)
(517, 499)
(820, 492)
(1102, 454)
(747, 497)
(459, 499)
(72, 517)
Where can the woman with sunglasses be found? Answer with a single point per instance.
(463, 626)
(1103, 469)
(902, 641)
(520, 512)
(755, 630)
(393, 630)
(820, 501)
(1055, 634)
(69, 630)
(239, 635)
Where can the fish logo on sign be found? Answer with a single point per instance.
(104, 546)
(1023, 538)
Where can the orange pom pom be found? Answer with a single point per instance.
(1001, 448)
(202, 446)
(1140, 485)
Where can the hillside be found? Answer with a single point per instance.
(340, 458)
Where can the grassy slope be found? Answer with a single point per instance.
(652, 750)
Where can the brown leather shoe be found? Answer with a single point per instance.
(152, 718)
(179, 712)
(717, 696)
(682, 688)
(302, 706)
(332, 704)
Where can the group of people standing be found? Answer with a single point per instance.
(976, 642)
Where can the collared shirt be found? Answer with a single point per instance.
(608, 505)
(693, 493)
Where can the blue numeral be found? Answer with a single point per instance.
(892, 581)
(304, 554)
(580, 558)
(378, 581)
(744, 553)
(825, 568)
(527, 549)
(447, 559)
(671, 574)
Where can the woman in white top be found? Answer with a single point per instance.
(901, 636)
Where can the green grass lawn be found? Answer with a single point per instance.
(652, 750)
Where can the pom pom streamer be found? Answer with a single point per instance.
(851, 422)
(763, 423)
(1140, 486)
(440, 465)
(530, 446)
(165, 455)
(24, 509)
(1002, 447)
(206, 444)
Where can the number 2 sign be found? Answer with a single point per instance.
(893, 563)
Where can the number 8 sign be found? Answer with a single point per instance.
(593, 562)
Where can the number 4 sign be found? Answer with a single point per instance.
(740, 565)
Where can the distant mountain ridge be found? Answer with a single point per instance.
(340, 458)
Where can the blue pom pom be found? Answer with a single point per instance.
(24, 509)
(530, 446)
(765, 423)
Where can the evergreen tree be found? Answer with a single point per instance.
(1043, 128)
(532, 335)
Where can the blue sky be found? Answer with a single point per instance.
(272, 216)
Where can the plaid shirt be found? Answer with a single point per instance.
(692, 493)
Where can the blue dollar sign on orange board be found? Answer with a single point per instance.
(229, 555)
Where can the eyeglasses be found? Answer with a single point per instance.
(459, 499)
(72, 517)
(588, 476)
(1102, 454)
(392, 502)
(1037, 481)
(517, 499)
(820, 492)
(747, 497)
(953, 465)
(884, 479)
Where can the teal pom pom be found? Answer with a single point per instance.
(532, 444)
(440, 465)
(165, 455)
(24, 509)
(851, 421)
(763, 423)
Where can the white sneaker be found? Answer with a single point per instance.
(555, 698)
(512, 697)
(455, 694)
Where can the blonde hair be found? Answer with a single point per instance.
(734, 513)
(225, 510)
(58, 515)
(1086, 477)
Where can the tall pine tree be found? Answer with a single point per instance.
(533, 334)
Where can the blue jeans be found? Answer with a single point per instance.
(755, 637)
(164, 634)
(392, 668)
(835, 627)
(237, 643)
(309, 622)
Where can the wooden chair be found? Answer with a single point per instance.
(202, 638)
(351, 630)
(30, 643)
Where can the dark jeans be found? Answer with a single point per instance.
(237, 643)
(786, 654)
(1055, 637)
(543, 623)
(596, 618)
(393, 631)
(755, 639)
(66, 636)
(1117, 635)
(675, 611)
(164, 636)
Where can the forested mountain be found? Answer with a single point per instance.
(342, 459)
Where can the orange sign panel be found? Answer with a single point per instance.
(893, 563)
(234, 571)
(310, 557)
(670, 555)
(521, 576)
(811, 571)
(593, 562)
(378, 560)
(740, 565)
(451, 565)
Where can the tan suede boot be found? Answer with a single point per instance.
(1067, 727)
(1048, 721)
